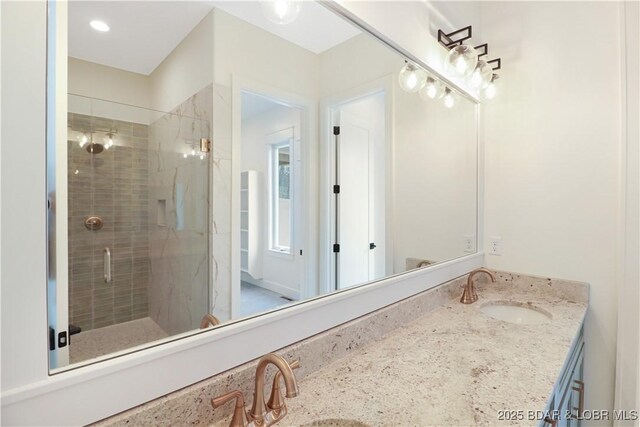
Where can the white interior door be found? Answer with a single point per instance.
(353, 151)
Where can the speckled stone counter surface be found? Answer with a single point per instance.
(454, 366)
(427, 360)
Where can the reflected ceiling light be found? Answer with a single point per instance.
(412, 78)
(433, 89)
(281, 12)
(489, 92)
(448, 98)
(99, 25)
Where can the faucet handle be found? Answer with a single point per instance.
(239, 414)
(275, 400)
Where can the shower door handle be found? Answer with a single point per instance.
(107, 265)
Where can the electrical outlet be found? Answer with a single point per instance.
(495, 246)
(469, 244)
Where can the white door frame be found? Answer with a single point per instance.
(307, 199)
(328, 105)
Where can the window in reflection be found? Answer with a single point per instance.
(280, 198)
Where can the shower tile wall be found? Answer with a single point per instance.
(114, 186)
(179, 214)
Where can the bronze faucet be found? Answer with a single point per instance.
(470, 295)
(258, 415)
(209, 320)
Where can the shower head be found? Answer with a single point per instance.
(94, 148)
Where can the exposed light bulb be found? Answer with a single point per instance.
(185, 155)
(83, 140)
(433, 89)
(490, 91)
(193, 152)
(481, 75)
(412, 78)
(99, 26)
(201, 156)
(281, 12)
(461, 60)
(448, 98)
(109, 142)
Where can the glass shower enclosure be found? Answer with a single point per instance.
(137, 195)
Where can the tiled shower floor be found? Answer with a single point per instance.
(98, 342)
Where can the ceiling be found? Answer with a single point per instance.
(143, 33)
(316, 28)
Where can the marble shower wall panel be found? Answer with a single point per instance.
(112, 185)
(221, 202)
(179, 214)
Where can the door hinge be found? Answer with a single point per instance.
(336, 189)
(336, 248)
(300, 251)
(372, 245)
(52, 339)
(336, 130)
(205, 145)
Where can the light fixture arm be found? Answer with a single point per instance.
(455, 38)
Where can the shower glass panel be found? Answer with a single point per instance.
(138, 200)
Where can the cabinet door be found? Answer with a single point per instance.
(572, 405)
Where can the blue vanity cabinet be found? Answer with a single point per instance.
(566, 404)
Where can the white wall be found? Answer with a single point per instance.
(434, 155)
(553, 141)
(627, 370)
(272, 60)
(111, 84)
(23, 245)
(186, 70)
(279, 271)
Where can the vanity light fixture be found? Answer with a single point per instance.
(83, 140)
(489, 92)
(281, 12)
(108, 143)
(448, 98)
(432, 89)
(98, 25)
(412, 78)
(481, 76)
(90, 140)
(463, 61)
(198, 149)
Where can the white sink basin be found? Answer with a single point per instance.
(516, 312)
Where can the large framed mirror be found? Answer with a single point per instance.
(222, 160)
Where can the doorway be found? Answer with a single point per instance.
(271, 235)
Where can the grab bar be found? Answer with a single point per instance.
(107, 265)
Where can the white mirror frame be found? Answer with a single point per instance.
(33, 396)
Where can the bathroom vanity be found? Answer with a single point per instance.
(427, 360)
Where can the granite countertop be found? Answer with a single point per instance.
(453, 366)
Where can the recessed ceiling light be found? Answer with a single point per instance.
(99, 25)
